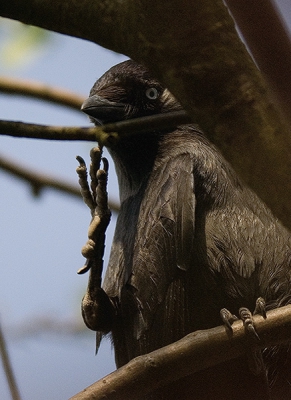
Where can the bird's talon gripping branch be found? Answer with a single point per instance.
(247, 318)
(254, 355)
(261, 307)
(227, 318)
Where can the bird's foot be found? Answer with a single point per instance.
(97, 308)
(260, 307)
(95, 197)
(254, 354)
(245, 315)
(227, 318)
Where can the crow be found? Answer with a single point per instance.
(191, 238)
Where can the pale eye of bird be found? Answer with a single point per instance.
(152, 93)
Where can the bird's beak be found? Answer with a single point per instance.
(102, 111)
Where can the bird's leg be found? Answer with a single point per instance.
(254, 355)
(97, 308)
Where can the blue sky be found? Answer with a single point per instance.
(41, 237)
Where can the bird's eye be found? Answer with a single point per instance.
(152, 93)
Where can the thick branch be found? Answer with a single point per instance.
(195, 352)
(41, 91)
(269, 43)
(86, 19)
(202, 61)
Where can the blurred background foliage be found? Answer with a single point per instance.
(20, 44)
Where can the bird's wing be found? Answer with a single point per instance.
(165, 234)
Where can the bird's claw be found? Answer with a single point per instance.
(247, 319)
(254, 355)
(95, 197)
(260, 307)
(246, 316)
(97, 308)
(227, 318)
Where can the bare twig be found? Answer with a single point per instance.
(196, 351)
(8, 368)
(104, 134)
(34, 131)
(39, 181)
(41, 91)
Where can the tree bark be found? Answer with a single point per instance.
(195, 352)
(193, 48)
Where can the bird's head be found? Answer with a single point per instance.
(127, 91)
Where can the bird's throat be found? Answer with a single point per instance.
(134, 158)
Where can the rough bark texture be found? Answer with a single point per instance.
(196, 351)
(201, 59)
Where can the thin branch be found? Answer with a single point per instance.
(40, 181)
(195, 352)
(34, 131)
(8, 368)
(37, 181)
(104, 135)
(41, 91)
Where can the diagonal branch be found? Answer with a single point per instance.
(39, 181)
(41, 91)
(196, 351)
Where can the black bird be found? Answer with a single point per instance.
(190, 239)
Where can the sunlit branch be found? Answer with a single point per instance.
(195, 352)
(41, 91)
